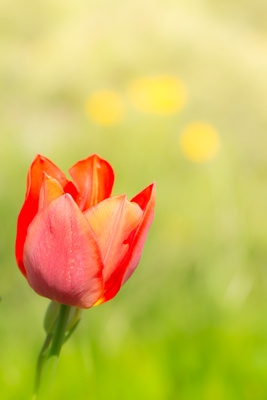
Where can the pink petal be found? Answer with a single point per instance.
(94, 178)
(61, 255)
(30, 206)
(113, 221)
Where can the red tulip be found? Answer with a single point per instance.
(75, 243)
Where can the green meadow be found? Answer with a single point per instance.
(191, 323)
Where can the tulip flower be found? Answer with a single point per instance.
(76, 244)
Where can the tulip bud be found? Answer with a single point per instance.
(76, 244)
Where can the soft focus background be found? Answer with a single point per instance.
(165, 90)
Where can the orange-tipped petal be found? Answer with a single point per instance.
(94, 179)
(50, 190)
(30, 206)
(62, 257)
(113, 221)
(34, 178)
(146, 200)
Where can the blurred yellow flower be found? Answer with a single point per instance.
(105, 107)
(199, 142)
(158, 95)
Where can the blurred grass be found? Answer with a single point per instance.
(190, 323)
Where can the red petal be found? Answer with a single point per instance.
(113, 220)
(61, 255)
(94, 179)
(30, 206)
(146, 200)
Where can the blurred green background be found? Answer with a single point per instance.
(191, 323)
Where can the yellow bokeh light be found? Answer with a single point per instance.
(199, 142)
(157, 95)
(105, 107)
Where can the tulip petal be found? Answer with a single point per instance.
(50, 190)
(62, 257)
(146, 200)
(34, 178)
(30, 206)
(94, 178)
(113, 221)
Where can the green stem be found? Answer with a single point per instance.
(59, 334)
(52, 361)
(41, 358)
